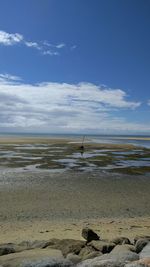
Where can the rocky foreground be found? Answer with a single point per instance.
(93, 252)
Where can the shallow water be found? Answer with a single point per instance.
(42, 157)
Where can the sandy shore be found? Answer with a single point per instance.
(45, 205)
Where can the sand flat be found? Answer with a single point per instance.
(42, 206)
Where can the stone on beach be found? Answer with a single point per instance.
(68, 246)
(145, 253)
(102, 246)
(89, 235)
(140, 263)
(140, 244)
(35, 257)
(120, 240)
(88, 252)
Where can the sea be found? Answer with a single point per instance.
(137, 140)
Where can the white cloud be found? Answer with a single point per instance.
(149, 102)
(6, 78)
(59, 46)
(33, 44)
(10, 38)
(50, 52)
(73, 47)
(63, 107)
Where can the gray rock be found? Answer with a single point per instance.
(122, 253)
(116, 258)
(24, 245)
(89, 252)
(89, 235)
(140, 263)
(73, 258)
(34, 257)
(97, 262)
(92, 255)
(145, 253)
(102, 246)
(140, 244)
(48, 263)
(121, 240)
(68, 246)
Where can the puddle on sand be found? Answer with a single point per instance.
(133, 163)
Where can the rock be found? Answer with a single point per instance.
(102, 246)
(89, 235)
(97, 262)
(7, 249)
(35, 257)
(126, 247)
(37, 244)
(73, 258)
(120, 240)
(122, 253)
(141, 237)
(140, 244)
(145, 253)
(89, 252)
(68, 246)
(116, 258)
(92, 255)
(140, 263)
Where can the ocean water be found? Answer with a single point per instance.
(137, 140)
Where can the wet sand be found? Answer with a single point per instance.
(46, 205)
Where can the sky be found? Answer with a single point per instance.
(75, 66)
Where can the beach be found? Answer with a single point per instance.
(44, 204)
(53, 189)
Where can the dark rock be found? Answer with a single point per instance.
(89, 235)
(140, 244)
(102, 246)
(121, 240)
(7, 249)
(141, 237)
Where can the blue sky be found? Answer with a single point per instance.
(75, 66)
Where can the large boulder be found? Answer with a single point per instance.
(145, 253)
(102, 246)
(35, 257)
(121, 240)
(89, 235)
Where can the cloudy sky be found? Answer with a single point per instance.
(75, 66)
